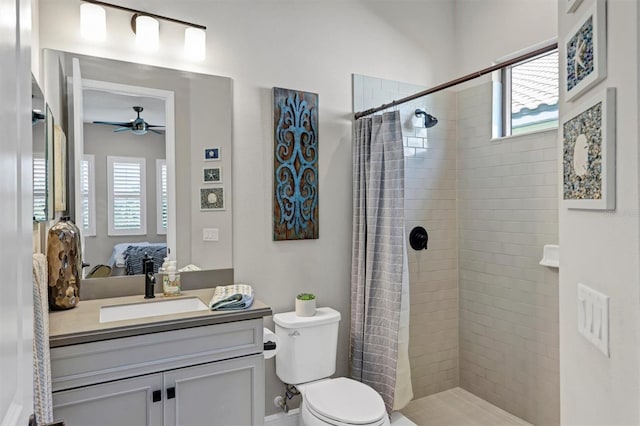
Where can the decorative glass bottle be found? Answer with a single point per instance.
(64, 264)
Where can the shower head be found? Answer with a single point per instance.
(429, 120)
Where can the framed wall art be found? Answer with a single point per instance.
(59, 169)
(212, 198)
(295, 183)
(586, 52)
(212, 154)
(212, 175)
(588, 153)
(572, 5)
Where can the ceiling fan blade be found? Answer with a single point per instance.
(155, 125)
(122, 129)
(115, 123)
(159, 132)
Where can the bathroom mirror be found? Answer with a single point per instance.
(192, 113)
(42, 129)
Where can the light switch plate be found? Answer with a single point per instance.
(210, 234)
(593, 317)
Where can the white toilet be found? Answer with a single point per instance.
(306, 358)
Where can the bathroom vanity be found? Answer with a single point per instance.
(191, 368)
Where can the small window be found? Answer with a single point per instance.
(161, 196)
(88, 183)
(39, 188)
(528, 99)
(127, 195)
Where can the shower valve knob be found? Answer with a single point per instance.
(418, 238)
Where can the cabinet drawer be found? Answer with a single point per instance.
(97, 362)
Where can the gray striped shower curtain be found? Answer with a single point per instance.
(377, 252)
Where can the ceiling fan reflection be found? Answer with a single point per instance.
(137, 126)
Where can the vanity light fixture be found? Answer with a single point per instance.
(93, 22)
(146, 26)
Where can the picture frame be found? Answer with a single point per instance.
(586, 52)
(572, 5)
(212, 154)
(212, 198)
(212, 175)
(589, 153)
(59, 169)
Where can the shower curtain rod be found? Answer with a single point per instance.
(464, 79)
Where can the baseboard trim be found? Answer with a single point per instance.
(283, 419)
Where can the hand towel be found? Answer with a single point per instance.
(231, 297)
(42, 399)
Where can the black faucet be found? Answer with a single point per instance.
(149, 277)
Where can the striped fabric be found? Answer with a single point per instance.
(377, 252)
(42, 397)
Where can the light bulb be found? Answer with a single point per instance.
(147, 33)
(195, 43)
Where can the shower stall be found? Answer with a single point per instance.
(484, 313)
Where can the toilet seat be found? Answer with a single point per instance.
(344, 401)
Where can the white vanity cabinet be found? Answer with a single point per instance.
(209, 375)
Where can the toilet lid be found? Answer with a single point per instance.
(346, 401)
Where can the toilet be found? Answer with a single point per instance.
(306, 358)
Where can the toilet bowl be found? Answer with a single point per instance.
(306, 358)
(341, 402)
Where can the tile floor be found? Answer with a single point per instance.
(457, 407)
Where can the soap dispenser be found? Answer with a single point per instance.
(171, 279)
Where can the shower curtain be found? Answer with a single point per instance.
(379, 343)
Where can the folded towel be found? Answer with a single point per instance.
(231, 297)
(42, 397)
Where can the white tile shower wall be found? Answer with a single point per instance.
(430, 202)
(507, 211)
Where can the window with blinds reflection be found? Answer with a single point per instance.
(39, 188)
(161, 196)
(127, 195)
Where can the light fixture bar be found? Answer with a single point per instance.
(140, 12)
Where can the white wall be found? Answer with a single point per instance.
(487, 30)
(313, 46)
(600, 249)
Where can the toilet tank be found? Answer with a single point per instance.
(307, 349)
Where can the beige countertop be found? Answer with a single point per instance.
(82, 323)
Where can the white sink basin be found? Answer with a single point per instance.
(151, 309)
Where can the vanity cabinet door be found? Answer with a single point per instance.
(224, 393)
(122, 402)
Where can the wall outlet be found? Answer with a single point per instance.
(593, 317)
(210, 234)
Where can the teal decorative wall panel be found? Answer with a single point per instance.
(295, 183)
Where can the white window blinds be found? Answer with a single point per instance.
(161, 196)
(88, 187)
(127, 195)
(39, 188)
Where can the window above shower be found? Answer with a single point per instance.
(526, 96)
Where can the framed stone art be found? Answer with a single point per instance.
(588, 157)
(212, 175)
(212, 198)
(295, 183)
(586, 52)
